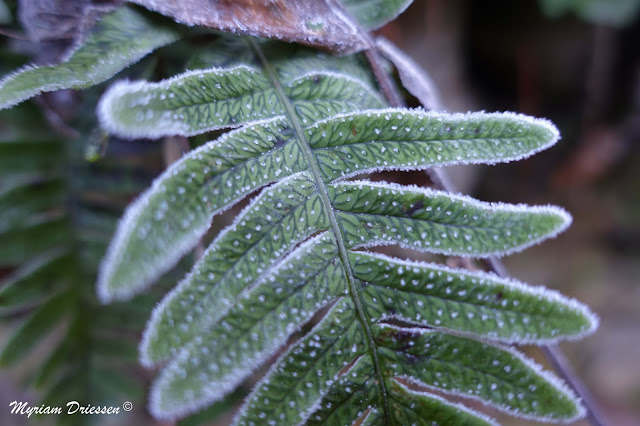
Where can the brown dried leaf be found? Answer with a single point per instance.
(318, 23)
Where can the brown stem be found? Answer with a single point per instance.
(387, 86)
(559, 361)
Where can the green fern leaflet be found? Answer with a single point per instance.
(305, 123)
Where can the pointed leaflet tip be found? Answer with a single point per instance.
(503, 378)
(433, 295)
(424, 219)
(374, 140)
(145, 246)
(187, 104)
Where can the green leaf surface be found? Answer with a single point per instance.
(117, 41)
(202, 100)
(435, 221)
(157, 230)
(189, 104)
(225, 353)
(415, 139)
(295, 385)
(281, 217)
(412, 407)
(500, 376)
(475, 303)
(272, 147)
(353, 396)
(305, 123)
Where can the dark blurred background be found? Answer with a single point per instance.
(576, 63)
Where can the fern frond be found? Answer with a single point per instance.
(118, 40)
(302, 127)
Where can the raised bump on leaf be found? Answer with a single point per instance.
(318, 95)
(401, 139)
(282, 216)
(238, 337)
(349, 396)
(477, 303)
(381, 213)
(304, 373)
(501, 377)
(188, 104)
(411, 406)
(265, 316)
(118, 40)
(169, 218)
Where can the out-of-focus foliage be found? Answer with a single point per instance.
(5, 15)
(55, 236)
(616, 13)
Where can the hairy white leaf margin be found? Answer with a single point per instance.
(144, 90)
(218, 390)
(158, 311)
(545, 375)
(390, 113)
(301, 78)
(306, 414)
(458, 406)
(483, 205)
(166, 35)
(113, 257)
(486, 279)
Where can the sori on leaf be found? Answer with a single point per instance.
(396, 334)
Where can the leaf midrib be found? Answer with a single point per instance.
(368, 143)
(335, 227)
